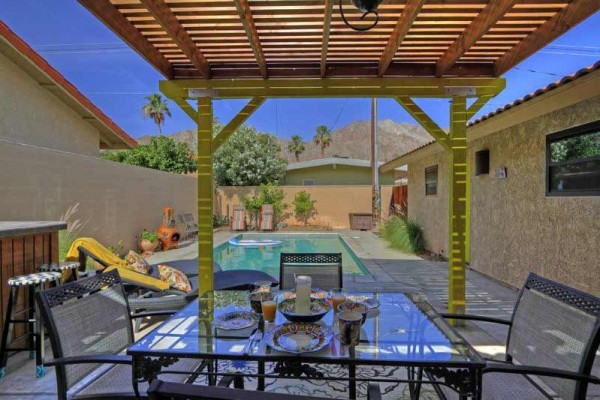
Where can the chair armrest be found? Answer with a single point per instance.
(152, 313)
(91, 359)
(476, 318)
(541, 371)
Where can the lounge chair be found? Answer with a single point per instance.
(89, 323)
(238, 218)
(325, 269)
(267, 218)
(190, 226)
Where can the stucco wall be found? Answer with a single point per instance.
(340, 175)
(431, 212)
(108, 200)
(31, 114)
(515, 227)
(333, 205)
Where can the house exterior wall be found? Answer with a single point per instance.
(103, 199)
(32, 115)
(334, 203)
(338, 175)
(515, 227)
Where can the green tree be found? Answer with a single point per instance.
(322, 138)
(249, 158)
(296, 147)
(157, 109)
(161, 153)
(304, 206)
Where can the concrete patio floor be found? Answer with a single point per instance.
(389, 270)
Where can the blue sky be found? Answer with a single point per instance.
(117, 79)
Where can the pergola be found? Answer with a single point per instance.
(259, 49)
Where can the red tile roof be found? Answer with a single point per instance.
(24, 49)
(563, 81)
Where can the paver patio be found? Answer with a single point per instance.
(390, 270)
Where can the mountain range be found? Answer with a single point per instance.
(351, 141)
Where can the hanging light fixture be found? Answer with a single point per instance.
(366, 7)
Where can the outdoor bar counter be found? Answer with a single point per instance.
(24, 246)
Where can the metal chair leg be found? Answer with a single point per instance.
(7, 331)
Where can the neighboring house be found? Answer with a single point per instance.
(333, 171)
(535, 186)
(39, 107)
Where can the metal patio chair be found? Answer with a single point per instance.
(325, 269)
(552, 341)
(160, 390)
(89, 325)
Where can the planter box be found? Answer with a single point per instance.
(361, 221)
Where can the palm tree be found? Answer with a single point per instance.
(157, 109)
(296, 146)
(322, 138)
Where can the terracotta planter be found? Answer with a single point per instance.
(148, 247)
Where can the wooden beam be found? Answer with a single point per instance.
(405, 21)
(326, 29)
(491, 14)
(107, 13)
(426, 122)
(245, 14)
(186, 107)
(165, 17)
(575, 12)
(237, 121)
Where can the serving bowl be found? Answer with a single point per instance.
(318, 309)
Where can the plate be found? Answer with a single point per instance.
(314, 294)
(236, 320)
(368, 301)
(298, 338)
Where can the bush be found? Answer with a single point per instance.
(404, 234)
(220, 220)
(304, 206)
(270, 193)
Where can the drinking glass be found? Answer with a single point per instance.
(269, 309)
(337, 297)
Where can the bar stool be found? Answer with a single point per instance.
(36, 332)
(62, 268)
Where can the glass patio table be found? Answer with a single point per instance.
(404, 331)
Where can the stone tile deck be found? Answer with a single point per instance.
(389, 270)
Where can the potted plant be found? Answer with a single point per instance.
(148, 241)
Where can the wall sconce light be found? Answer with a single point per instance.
(366, 7)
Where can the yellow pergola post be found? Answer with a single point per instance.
(205, 195)
(458, 199)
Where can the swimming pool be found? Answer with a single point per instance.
(231, 257)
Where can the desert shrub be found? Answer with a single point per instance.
(304, 206)
(220, 220)
(404, 234)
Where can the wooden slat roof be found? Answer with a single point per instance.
(307, 38)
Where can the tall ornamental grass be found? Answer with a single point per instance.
(404, 235)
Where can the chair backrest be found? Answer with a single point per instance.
(238, 220)
(188, 221)
(89, 316)
(554, 325)
(267, 214)
(325, 269)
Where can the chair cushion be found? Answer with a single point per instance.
(137, 262)
(175, 278)
(502, 387)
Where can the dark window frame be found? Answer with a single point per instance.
(437, 179)
(553, 137)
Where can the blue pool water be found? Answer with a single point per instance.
(267, 259)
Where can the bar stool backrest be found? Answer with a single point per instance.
(86, 317)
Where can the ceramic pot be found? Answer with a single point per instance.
(147, 246)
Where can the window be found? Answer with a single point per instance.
(573, 161)
(308, 182)
(431, 179)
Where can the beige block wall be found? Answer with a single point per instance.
(110, 201)
(431, 212)
(31, 114)
(515, 227)
(333, 205)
